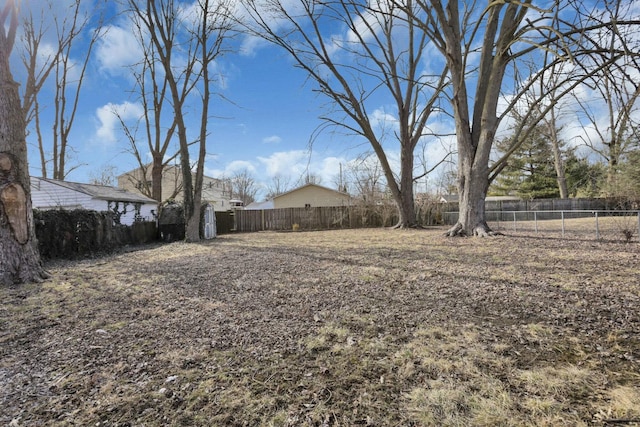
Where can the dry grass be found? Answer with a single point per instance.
(340, 328)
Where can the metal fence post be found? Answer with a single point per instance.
(535, 220)
(514, 220)
(597, 227)
(562, 216)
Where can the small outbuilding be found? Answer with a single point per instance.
(311, 196)
(127, 207)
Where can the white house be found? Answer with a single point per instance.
(214, 191)
(54, 194)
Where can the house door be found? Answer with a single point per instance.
(209, 222)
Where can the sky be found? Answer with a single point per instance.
(264, 120)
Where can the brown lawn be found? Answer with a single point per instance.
(336, 328)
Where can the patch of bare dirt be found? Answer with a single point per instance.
(356, 327)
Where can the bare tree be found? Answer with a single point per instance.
(382, 55)
(616, 129)
(499, 35)
(279, 184)
(152, 87)
(38, 67)
(105, 175)
(69, 74)
(547, 120)
(309, 178)
(243, 186)
(19, 257)
(202, 40)
(367, 179)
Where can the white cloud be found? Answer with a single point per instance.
(328, 169)
(383, 119)
(286, 163)
(231, 168)
(239, 166)
(118, 49)
(109, 122)
(273, 139)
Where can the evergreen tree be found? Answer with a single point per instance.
(584, 178)
(625, 184)
(530, 171)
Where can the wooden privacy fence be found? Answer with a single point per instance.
(327, 218)
(318, 218)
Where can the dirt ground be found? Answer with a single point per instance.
(335, 328)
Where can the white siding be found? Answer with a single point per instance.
(45, 195)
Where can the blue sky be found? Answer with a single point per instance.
(264, 125)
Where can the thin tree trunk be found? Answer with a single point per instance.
(404, 195)
(43, 160)
(558, 162)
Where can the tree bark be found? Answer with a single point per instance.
(558, 162)
(473, 183)
(19, 257)
(157, 168)
(403, 195)
(476, 130)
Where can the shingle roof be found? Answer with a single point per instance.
(102, 192)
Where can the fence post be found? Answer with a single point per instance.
(535, 220)
(514, 220)
(562, 216)
(597, 227)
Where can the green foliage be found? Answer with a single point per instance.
(584, 179)
(624, 184)
(530, 173)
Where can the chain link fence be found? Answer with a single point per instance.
(609, 225)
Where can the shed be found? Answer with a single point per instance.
(311, 196)
(127, 207)
(209, 229)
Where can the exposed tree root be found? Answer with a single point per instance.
(481, 230)
(400, 225)
(456, 231)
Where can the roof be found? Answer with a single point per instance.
(102, 192)
(256, 206)
(312, 185)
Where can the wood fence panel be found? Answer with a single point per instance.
(318, 218)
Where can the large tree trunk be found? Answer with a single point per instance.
(19, 256)
(473, 182)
